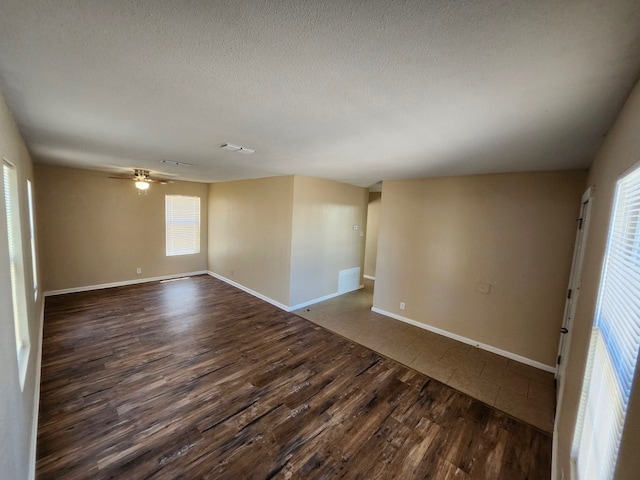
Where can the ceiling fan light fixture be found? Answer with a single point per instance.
(140, 185)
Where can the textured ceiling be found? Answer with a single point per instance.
(355, 91)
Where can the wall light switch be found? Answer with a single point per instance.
(482, 287)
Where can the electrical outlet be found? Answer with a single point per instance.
(402, 305)
(139, 270)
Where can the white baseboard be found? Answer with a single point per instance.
(120, 284)
(36, 399)
(249, 291)
(322, 299)
(281, 306)
(469, 341)
(369, 277)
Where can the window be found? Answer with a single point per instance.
(182, 215)
(32, 234)
(16, 268)
(615, 340)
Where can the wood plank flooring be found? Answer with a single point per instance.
(196, 379)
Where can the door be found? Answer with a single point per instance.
(575, 280)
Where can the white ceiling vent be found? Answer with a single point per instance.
(237, 148)
(231, 146)
(174, 162)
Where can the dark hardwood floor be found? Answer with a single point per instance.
(196, 379)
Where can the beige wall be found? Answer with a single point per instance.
(323, 239)
(96, 230)
(619, 152)
(17, 413)
(371, 247)
(440, 236)
(250, 234)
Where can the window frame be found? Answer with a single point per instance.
(180, 243)
(17, 267)
(32, 237)
(613, 354)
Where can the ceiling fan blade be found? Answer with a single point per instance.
(140, 175)
(122, 177)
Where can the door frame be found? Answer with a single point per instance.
(575, 283)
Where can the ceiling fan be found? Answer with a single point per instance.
(142, 179)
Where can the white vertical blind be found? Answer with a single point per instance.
(11, 240)
(16, 267)
(182, 214)
(615, 341)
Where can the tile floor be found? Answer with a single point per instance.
(522, 391)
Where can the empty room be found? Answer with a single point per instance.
(301, 240)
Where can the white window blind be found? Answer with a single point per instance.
(182, 214)
(16, 268)
(615, 341)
